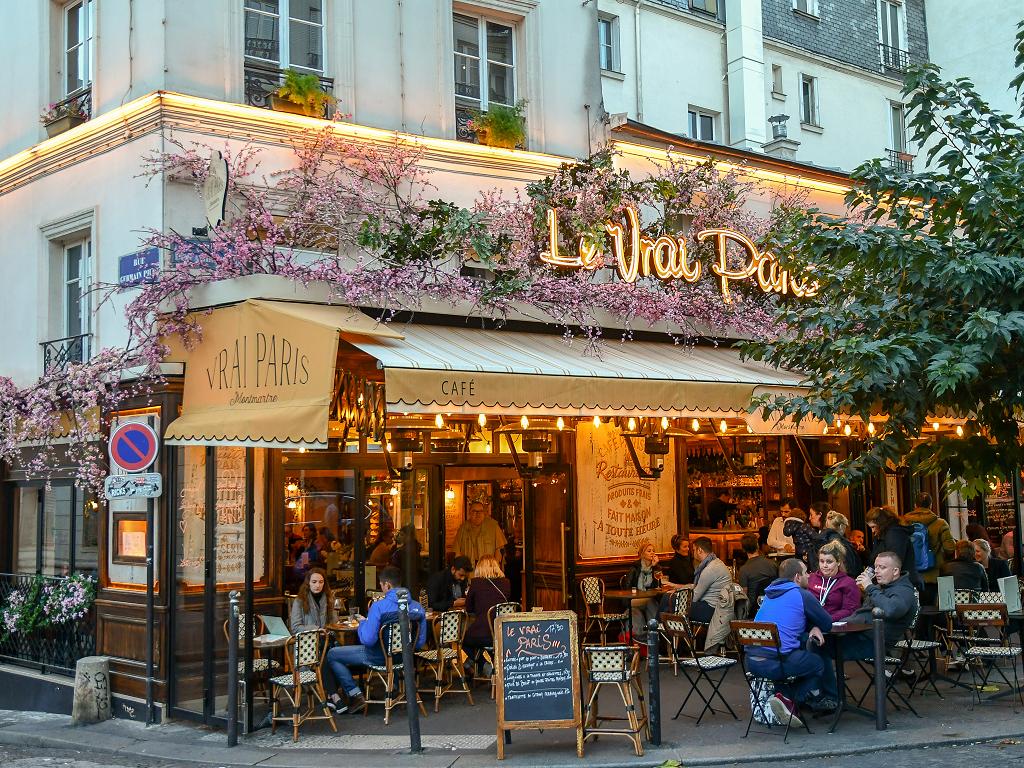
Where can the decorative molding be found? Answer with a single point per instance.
(72, 224)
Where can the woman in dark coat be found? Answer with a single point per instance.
(487, 588)
(836, 526)
(889, 536)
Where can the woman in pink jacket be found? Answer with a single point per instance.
(836, 590)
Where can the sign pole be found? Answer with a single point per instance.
(411, 693)
(149, 611)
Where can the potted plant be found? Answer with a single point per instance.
(500, 126)
(301, 94)
(62, 116)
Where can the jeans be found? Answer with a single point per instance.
(641, 611)
(340, 658)
(855, 646)
(702, 612)
(806, 666)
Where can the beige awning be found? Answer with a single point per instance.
(263, 374)
(435, 369)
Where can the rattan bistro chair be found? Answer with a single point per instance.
(499, 609)
(698, 667)
(390, 674)
(592, 592)
(616, 666)
(444, 660)
(984, 658)
(896, 666)
(261, 667)
(305, 652)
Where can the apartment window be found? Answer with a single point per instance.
(300, 44)
(702, 125)
(75, 287)
(777, 80)
(707, 6)
(608, 42)
(809, 100)
(892, 44)
(485, 61)
(806, 6)
(79, 23)
(897, 126)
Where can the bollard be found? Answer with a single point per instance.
(878, 630)
(654, 682)
(233, 668)
(408, 644)
(91, 702)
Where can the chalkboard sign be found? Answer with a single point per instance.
(538, 674)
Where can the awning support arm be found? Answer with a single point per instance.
(393, 473)
(515, 456)
(815, 472)
(644, 474)
(725, 451)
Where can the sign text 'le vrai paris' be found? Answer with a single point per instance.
(668, 258)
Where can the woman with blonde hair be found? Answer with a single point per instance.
(487, 588)
(835, 589)
(642, 576)
(835, 528)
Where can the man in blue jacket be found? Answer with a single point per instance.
(795, 611)
(384, 611)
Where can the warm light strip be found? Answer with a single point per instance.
(762, 174)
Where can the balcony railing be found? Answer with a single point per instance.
(262, 80)
(59, 352)
(80, 100)
(901, 161)
(894, 59)
(462, 130)
(55, 648)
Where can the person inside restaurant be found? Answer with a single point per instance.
(479, 535)
(777, 540)
(487, 588)
(446, 589)
(757, 573)
(680, 568)
(792, 609)
(709, 578)
(967, 573)
(341, 658)
(720, 508)
(995, 567)
(885, 586)
(805, 535)
(642, 576)
(835, 589)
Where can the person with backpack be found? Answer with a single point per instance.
(928, 529)
(888, 535)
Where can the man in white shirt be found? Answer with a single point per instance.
(777, 541)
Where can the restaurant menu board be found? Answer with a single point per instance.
(618, 510)
(538, 674)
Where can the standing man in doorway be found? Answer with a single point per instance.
(479, 535)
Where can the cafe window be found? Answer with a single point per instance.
(286, 33)
(485, 61)
(56, 531)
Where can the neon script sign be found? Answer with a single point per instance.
(668, 258)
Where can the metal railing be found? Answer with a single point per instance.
(901, 161)
(49, 649)
(894, 59)
(59, 352)
(262, 80)
(82, 100)
(462, 130)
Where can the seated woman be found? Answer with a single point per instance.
(487, 588)
(835, 529)
(835, 589)
(967, 573)
(313, 608)
(642, 576)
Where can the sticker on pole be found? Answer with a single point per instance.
(133, 446)
(144, 485)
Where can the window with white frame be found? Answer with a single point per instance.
(75, 287)
(485, 61)
(892, 35)
(809, 100)
(286, 33)
(702, 124)
(79, 25)
(897, 126)
(809, 7)
(707, 6)
(777, 87)
(608, 42)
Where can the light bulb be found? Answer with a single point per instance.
(482, 419)
(449, 493)
(488, 448)
(664, 422)
(824, 430)
(750, 430)
(631, 424)
(935, 426)
(394, 490)
(387, 446)
(723, 427)
(839, 423)
(871, 428)
(524, 422)
(302, 449)
(695, 425)
(560, 423)
(597, 422)
(292, 504)
(291, 487)
(439, 421)
(959, 431)
(847, 430)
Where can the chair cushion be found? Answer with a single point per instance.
(609, 616)
(287, 681)
(708, 662)
(259, 665)
(397, 666)
(918, 645)
(998, 651)
(609, 677)
(431, 655)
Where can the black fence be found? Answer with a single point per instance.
(48, 649)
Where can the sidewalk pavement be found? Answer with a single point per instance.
(463, 736)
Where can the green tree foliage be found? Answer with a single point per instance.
(921, 303)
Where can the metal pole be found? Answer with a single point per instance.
(1018, 521)
(878, 629)
(233, 668)
(410, 673)
(653, 682)
(150, 524)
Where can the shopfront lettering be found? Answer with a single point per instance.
(668, 258)
(262, 361)
(458, 387)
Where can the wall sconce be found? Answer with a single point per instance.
(449, 493)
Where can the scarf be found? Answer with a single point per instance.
(703, 564)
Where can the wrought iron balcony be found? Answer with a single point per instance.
(901, 161)
(894, 59)
(262, 80)
(77, 103)
(59, 352)
(462, 130)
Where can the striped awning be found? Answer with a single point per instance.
(439, 369)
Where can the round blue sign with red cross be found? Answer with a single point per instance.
(133, 446)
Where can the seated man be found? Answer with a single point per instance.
(794, 610)
(709, 578)
(447, 589)
(367, 651)
(757, 573)
(886, 587)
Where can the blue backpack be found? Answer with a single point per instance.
(924, 558)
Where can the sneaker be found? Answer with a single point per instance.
(822, 705)
(336, 706)
(784, 710)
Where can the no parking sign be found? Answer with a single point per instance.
(133, 446)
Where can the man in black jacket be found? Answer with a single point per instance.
(447, 589)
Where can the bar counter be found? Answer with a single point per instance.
(724, 540)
